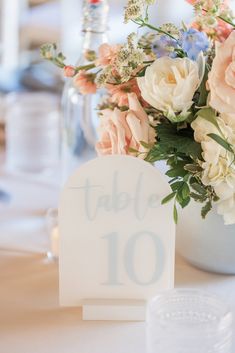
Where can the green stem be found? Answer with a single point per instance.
(227, 21)
(148, 62)
(57, 62)
(85, 67)
(223, 19)
(159, 30)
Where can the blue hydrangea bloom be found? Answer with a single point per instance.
(193, 42)
(164, 46)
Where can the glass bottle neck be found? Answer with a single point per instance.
(93, 40)
(95, 15)
(94, 26)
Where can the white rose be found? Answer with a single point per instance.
(202, 128)
(212, 151)
(218, 172)
(221, 177)
(229, 119)
(218, 166)
(169, 85)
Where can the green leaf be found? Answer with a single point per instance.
(216, 198)
(175, 214)
(179, 198)
(221, 142)
(190, 118)
(197, 197)
(176, 163)
(185, 191)
(178, 118)
(185, 202)
(203, 91)
(172, 160)
(193, 180)
(209, 114)
(168, 198)
(206, 209)
(145, 145)
(198, 188)
(173, 180)
(61, 56)
(141, 73)
(132, 150)
(177, 185)
(176, 172)
(180, 141)
(193, 168)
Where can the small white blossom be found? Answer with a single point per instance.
(104, 76)
(129, 58)
(125, 73)
(135, 9)
(171, 29)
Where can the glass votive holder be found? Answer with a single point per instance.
(32, 132)
(53, 233)
(188, 321)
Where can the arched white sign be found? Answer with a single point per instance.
(116, 239)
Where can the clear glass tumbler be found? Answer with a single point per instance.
(188, 321)
(32, 132)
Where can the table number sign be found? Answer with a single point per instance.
(117, 242)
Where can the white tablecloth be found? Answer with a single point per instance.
(31, 320)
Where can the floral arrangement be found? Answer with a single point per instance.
(170, 96)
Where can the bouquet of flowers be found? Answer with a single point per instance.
(170, 96)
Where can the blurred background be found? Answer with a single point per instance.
(26, 24)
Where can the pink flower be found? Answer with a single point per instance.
(223, 31)
(219, 32)
(121, 130)
(69, 71)
(119, 93)
(221, 80)
(85, 82)
(209, 3)
(107, 54)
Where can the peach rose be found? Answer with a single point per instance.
(223, 31)
(107, 54)
(119, 93)
(121, 130)
(221, 80)
(69, 71)
(85, 82)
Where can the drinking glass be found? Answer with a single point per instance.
(188, 321)
(32, 132)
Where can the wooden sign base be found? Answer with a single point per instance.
(113, 310)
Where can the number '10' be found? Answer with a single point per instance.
(128, 258)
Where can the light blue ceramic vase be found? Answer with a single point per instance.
(207, 244)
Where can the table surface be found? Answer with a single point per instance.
(30, 317)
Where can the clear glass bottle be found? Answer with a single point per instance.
(80, 118)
